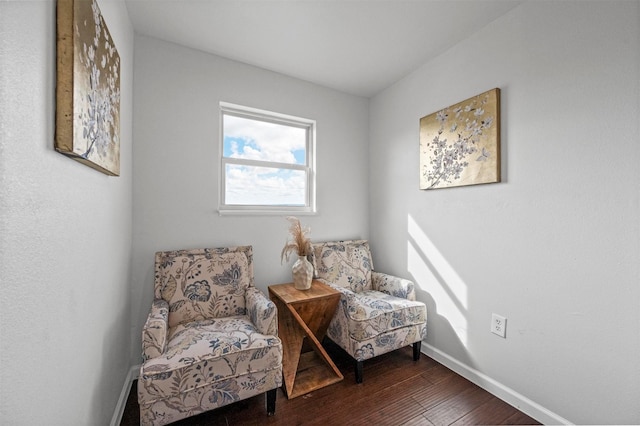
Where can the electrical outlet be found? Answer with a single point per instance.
(499, 325)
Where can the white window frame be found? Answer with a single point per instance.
(309, 168)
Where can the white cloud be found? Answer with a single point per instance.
(247, 185)
(264, 141)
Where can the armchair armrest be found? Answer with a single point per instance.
(395, 286)
(346, 292)
(262, 311)
(347, 297)
(154, 332)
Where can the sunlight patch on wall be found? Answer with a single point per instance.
(433, 274)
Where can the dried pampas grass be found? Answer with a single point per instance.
(300, 242)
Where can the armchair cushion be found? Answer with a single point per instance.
(207, 341)
(203, 286)
(346, 264)
(370, 313)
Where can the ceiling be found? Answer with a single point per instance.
(354, 46)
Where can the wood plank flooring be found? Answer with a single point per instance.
(396, 391)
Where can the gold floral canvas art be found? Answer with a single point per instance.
(460, 144)
(88, 87)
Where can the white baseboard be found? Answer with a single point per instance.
(496, 388)
(124, 393)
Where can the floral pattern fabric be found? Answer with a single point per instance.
(395, 286)
(372, 312)
(262, 311)
(362, 350)
(373, 317)
(200, 286)
(154, 332)
(205, 363)
(346, 264)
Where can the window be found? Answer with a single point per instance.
(266, 162)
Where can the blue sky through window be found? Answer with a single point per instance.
(250, 139)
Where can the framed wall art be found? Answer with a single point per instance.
(460, 144)
(87, 87)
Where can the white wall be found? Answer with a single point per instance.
(65, 238)
(177, 95)
(555, 247)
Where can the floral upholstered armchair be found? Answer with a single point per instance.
(378, 313)
(210, 338)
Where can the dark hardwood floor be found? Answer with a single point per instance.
(396, 391)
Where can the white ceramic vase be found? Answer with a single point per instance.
(302, 271)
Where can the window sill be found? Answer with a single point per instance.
(240, 212)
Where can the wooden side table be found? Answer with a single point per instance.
(303, 318)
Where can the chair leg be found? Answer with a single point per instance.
(271, 401)
(416, 350)
(359, 371)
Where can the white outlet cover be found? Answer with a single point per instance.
(499, 325)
